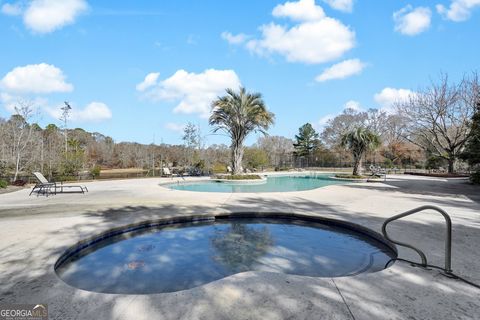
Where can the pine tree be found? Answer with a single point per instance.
(472, 149)
(307, 140)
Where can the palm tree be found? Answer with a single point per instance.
(238, 114)
(358, 141)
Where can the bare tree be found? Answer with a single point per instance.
(348, 120)
(375, 120)
(438, 117)
(192, 139)
(66, 109)
(278, 148)
(20, 134)
(3, 145)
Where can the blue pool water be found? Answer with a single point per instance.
(273, 184)
(186, 255)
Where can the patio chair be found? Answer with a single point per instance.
(166, 172)
(44, 186)
(377, 172)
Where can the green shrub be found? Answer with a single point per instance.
(388, 163)
(3, 168)
(219, 168)
(435, 162)
(95, 171)
(3, 184)
(255, 158)
(239, 177)
(475, 177)
(349, 176)
(200, 164)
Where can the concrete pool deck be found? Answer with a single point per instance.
(35, 231)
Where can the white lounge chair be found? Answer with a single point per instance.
(377, 172)
(166, 172)
(46, 187)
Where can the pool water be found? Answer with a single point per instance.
(187, 255)
(273, 184)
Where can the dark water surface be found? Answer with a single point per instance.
(186, 255)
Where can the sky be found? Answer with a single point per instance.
(140, 70)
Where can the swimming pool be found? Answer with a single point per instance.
(283, 183)
(182, 255)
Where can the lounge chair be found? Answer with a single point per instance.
(166, 172)
(377, 172)
(46, 187)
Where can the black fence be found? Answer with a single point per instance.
(412, 161)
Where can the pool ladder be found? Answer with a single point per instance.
(448, 236)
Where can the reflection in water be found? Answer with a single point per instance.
(133, 265)
(239, 246)
(182, 256)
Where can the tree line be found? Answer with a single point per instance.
(435, 127)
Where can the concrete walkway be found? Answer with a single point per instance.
(35, 231)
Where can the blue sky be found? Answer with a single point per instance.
(308, 58)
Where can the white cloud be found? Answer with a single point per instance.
(149, 81)
(459, 10)
(45, 16)
(312, 38)
(234, 39)
(341, 70)
(303, 10)
(10, 101)
(36, 78)
(12, 9)
(389, 96)
(93, 112)
(177, 127)
(341, 5)
(354, 105)
(193, 91)
(410, 21)
(309, 42)
(324, 120)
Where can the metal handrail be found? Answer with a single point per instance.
(448, 236)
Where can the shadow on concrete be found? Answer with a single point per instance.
(439, 187)
(401, 292)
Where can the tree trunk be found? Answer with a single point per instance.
(451, 165)
(17, 167)
(357, 164)
(237, 157)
